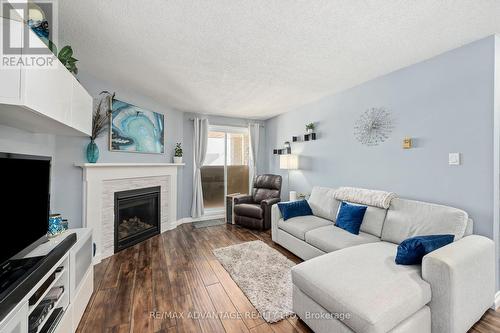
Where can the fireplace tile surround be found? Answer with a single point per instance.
(102, 180)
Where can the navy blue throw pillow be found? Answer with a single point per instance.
(412, 250)
(350, 217)
(294, 209)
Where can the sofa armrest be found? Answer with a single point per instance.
(266, 206)
(275, 217)
(243, 199)
(462, 280)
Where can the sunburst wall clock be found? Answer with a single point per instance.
(374, 126)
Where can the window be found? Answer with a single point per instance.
(226, 167)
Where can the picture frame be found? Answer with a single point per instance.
(136, 130)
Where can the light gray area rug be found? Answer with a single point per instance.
(208, 223)
(263, 274)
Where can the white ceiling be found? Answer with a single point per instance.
(259, 58)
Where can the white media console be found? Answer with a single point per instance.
(76, 278)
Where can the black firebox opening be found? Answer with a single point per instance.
(137, 216)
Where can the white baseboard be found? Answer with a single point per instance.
(96, 259)
(169, 226)
(497, 300)
(198, 219)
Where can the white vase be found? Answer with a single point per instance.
(177, 159)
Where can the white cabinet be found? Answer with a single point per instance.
(76, 275)
(80, 102)
(10, 78)
(48, 91)
(18, 322)
(46, 100)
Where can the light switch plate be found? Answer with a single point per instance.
(454, 158)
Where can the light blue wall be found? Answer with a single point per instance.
(67, 189)
(444, 103)
(67, 196)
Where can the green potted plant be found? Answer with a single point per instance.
(178, 153)
(310, 128)
(65, 56)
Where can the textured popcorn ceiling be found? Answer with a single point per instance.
(259, 58)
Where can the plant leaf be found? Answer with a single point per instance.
(66, 52)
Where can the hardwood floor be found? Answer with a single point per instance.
(167, 282)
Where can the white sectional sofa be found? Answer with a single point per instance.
(351, 283)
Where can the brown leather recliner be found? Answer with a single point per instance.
(254, 211)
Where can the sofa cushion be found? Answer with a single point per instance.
(323, 202)
(407, 218)
(364, 281)
(250, 210)
(331, 238)
(298, 226)
(373, 221)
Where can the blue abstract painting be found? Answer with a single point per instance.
(134, 129)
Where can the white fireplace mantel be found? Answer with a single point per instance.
(101, 179)
(121, 165)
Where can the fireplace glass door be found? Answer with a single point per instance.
(137, 216)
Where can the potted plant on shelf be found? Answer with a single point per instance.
(99, 124)
(310, 128)
(178, 153)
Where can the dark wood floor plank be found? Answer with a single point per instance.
(284, 326)
(100, 271)
(96, 320)
(162, 292)
(186, 323)
(120, 303)
(489, 323)
(299, 324)
(229, 315)
(203, 267)
(176, 274)
(263, 328)
(125, 328)
(203, 307)
(142, 305)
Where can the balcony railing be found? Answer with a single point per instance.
(212, 182)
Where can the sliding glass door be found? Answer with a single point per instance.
(226, 167)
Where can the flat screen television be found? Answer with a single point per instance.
(24, 203)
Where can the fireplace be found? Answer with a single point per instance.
(137, 216)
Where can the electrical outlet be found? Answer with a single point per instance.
(454, 158)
